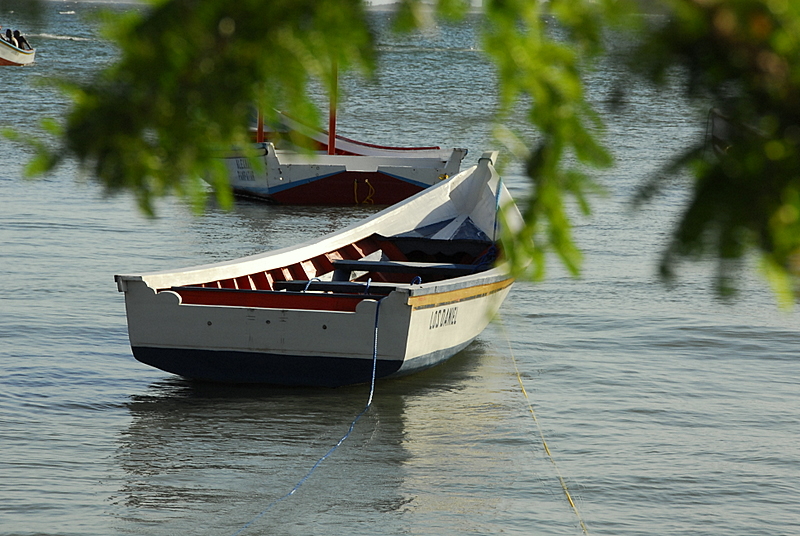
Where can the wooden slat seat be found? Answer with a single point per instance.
(428, 250)
(345, 287)
(426, 270)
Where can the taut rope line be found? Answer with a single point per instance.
(344, 437)
(541, 433)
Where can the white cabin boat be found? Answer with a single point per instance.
(404, 289)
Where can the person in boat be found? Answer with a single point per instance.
(21, 41)
(10, 38)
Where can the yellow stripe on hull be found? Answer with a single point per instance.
(455, 296)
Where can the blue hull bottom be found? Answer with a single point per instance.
(253, 367)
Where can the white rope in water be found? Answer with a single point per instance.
(342, 440)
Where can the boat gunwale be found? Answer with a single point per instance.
(418, 296)
(17, 49)
(288, 157)
(321, 137)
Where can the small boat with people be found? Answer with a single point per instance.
(401, 291)
(15, 49)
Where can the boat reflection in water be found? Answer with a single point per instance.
(207, 458)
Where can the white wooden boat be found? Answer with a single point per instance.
(11, 55)
(413, 284)
(297, 178)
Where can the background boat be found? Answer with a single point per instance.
(11, 55)
(298, 178)
(294, 163)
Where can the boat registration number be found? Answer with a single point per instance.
(244, 170)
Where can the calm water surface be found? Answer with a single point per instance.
(666, 411)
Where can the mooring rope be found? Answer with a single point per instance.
(368, 199)
(497, 208)
(541, 433)
(344, 437)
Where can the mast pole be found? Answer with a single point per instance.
(334, 95)
(260, 127)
